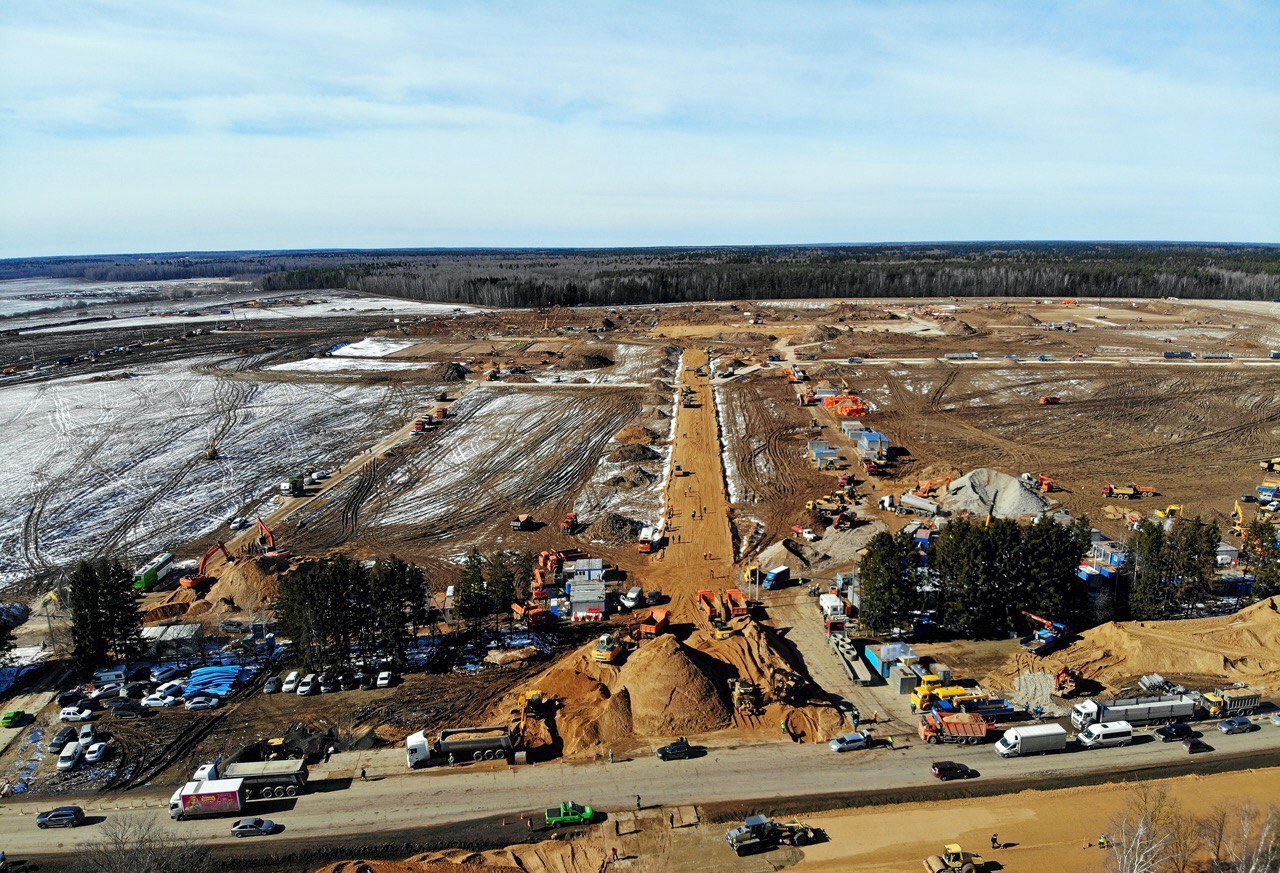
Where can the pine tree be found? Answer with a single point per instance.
(1264, 553)
(958, 561)
(1151, 594)
(105, 620)
(500, 584)
(888, 590)
(472, 601)
(1052, 554)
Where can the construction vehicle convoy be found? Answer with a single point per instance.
(758, 834)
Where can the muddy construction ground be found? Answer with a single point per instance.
(671, 417)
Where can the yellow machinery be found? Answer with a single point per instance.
(953, 858)
(607, 649)
(931, 690)
(1173, 510)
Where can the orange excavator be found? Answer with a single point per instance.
(202, 578)
(267, 540)
(569, 523)
(931, 487)
(1040, 482)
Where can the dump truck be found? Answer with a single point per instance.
(962, 728)
(532, 614)
(655, 624)
(736, 601)
(569, 813)
(954, 858)
(1049, 400)
(261, 778)
(569, 523)
(931, 691)
(1157, 709)
(203, 798)
(758, 834)
(1224, 704)
(476, 744)
(644, 544)
(707, 603)
(1040, 739)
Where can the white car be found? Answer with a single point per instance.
(198, 703)
(70, 757)
(308, 685)
(75, 713)
(386, 679)
(239, 523)
(290, 685)
(160, 701)
(166, 672)
(95, 753)
(169, 689)
(633, 598)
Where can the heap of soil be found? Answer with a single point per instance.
(632, 452)
(636, 477)
(586, 359)
(614, 528)
(732, 364)
(745, 338)
(819, 333)
(957, 328)
(448, 372)
(246, 584)
(670, 694)
(974, 494)
(519, 379)
(1243, 647)
(636, 435)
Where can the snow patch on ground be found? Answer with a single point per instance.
(373, 347)
(345, 365)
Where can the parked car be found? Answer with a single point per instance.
(677, 751)
(60, 739)
(165, 672)
(135, 690)
(1275, 718)
(348, 682)
(160, 701)
(75, 713)
(1194, 746)
(386, 679)
(271, 686)
(850, 742)
(170, 689)
(107, 691)
(62, 817)
(633, 598)
(200, 702)
(1176, 732)
(133, 710)
(70, 756)
(328, 683)
(365, 681)
(13, 718)
(96, 752)
(70, 698)
(308, 685)
(947, 770)
(1237, 725)
(87, 734)
(253, 827)
(290, 684)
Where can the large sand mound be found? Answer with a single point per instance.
(974, 494)
(1205, 653)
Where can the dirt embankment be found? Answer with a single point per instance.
(1243, 647)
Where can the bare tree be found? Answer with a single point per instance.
(1252, 843)
(1140, 838)
(138, 845)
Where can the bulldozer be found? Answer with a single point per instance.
(954, 858)
(787, 685)
(746, 696)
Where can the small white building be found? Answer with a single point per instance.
(1227, 554)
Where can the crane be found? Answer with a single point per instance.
(1049, 634)
(201, 577)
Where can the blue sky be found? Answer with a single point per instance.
(158, 126)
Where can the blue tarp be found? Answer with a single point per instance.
(215, 681)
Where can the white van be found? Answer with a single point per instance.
(1106, 734)
(307, 685)
(70, 757)
(290, 683)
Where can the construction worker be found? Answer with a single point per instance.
(995, 841)
(1104, 841)
(637, 803)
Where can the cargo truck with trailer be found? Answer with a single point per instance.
(202, 798)
(1160, 709)
(463, 744)
(1040, 739)
(287, 778)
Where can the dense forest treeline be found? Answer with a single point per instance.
(627, 276)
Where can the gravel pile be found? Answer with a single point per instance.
(973, 494)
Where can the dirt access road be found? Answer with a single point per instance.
(699, 549)
(398, 801)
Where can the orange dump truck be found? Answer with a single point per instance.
(957, 727)
(707, 603)
(655, 624)
(736, 600)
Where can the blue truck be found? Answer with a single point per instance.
(777, 577)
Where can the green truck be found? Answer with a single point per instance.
(569, 813)
(154, 571)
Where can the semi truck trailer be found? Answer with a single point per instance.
(478, 744)
(261, 778)
(1039, 739)
(1161, 709)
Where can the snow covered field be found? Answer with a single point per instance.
(634, 364)
(373, 347)
(345, 365)
(88, 467)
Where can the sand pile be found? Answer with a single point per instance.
(636, 477)
(956, 327)
(586, 359)
(519, 379)
(247, 584)
(745, 338)
(632, 452)
(974, 494)
(448, 372)
(1202, 653)
(636, 435)
(819, 333)
(615, 529)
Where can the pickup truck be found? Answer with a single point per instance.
(569, 813)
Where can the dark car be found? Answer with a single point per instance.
(366, 681)
(70, 698)
(1193, 746)
(272, 685)
(134, 710)
(328, 683)
(1176, 732)
(946, 770)
(61, 738)
(349, 682)
(62, 817)
(135, 690)
(677, 751)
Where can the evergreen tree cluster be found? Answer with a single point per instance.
(105, 621)
(490, 584)
(978, 577)
(1263, 553)
(337, 609)
(1172, 570)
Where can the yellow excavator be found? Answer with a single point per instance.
(1173, 510)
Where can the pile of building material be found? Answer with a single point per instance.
(986, 490)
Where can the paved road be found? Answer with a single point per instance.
(396, 799)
